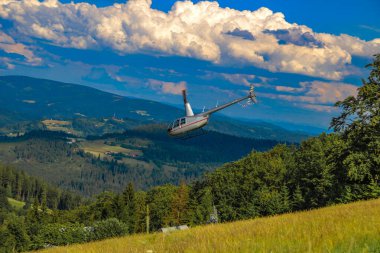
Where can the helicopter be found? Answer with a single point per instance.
(181, 127)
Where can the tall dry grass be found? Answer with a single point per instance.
(344, 228)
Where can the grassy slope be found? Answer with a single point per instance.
(345, 228)
(16, 204)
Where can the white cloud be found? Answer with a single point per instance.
(288, 89)
(329, 92)
(203, 31)
(234, 78)
(239, 79)
(350, 44)
(167, 87)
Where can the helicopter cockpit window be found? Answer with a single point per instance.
(176, 124)
(183, 121)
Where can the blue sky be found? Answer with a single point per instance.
(301, 56)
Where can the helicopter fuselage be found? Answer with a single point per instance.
(190, 122)
(187, 124)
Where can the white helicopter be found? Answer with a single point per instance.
(189, 123)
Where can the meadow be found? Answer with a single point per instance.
(351, 227)
(16, 203)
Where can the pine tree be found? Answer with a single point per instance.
(140, 217)
(373, 189)
(180, 205)
(35, 208)
(44, 207)
(298, 200)
(44, 215)
(4, 203)
(130, 207)
(16, 227)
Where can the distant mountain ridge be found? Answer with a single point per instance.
(35, 99)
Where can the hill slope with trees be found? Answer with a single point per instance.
(145, 156)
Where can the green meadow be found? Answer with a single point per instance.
(16, 204)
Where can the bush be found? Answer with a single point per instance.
(61, 234)
(7, 241)
(13, 236)
(108, 228)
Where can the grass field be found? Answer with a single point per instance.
(15, 203)
(345, 228)
(60, 125)
(98, 148)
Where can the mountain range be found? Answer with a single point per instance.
(25, 99)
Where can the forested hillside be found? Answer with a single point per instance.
(22, 187)
(146, 156)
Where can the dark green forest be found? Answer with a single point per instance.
(340, 167)
(51, 156)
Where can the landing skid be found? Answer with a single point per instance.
(192, 134)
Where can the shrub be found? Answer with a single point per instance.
(61, 234)
(108, 228)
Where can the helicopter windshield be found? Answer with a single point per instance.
(170, 126)
(174, 124)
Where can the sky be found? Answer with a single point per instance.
(301, 56)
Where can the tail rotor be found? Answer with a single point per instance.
(251, 97)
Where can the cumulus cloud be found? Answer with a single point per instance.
(203, 31)
(167, 87)
(350, 44)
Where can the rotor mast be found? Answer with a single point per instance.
(188, 110)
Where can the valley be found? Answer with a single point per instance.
(146, 157)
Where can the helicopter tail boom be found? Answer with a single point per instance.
(251, 96)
